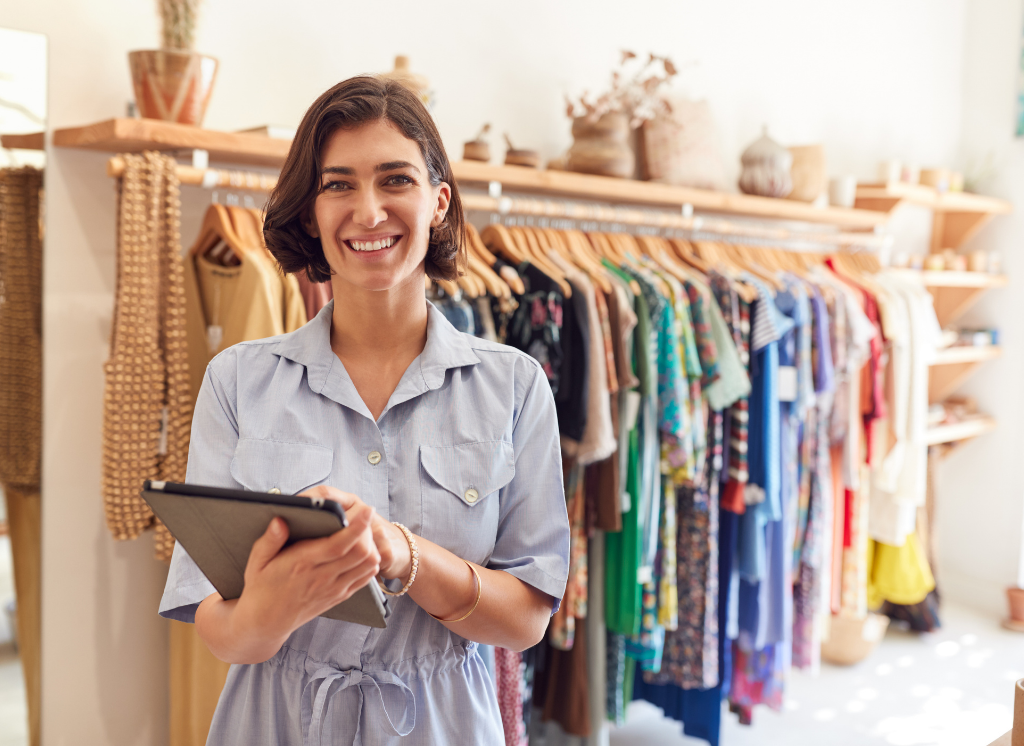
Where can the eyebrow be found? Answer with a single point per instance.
(379, 168)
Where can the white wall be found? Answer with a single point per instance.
(981, 486)
(872, 80)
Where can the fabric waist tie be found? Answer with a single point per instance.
(390, 695)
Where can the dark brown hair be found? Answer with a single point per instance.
(349, 104)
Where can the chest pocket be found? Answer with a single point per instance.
(263, 465)
(460, 487)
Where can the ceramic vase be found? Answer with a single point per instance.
(602, 147)
(766, 167)
(808, 172)
(171, 85)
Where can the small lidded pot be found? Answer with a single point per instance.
(766, 168)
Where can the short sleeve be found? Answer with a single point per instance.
(214, 437)
(532, 543)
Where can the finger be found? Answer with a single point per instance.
(329, 549)
(268, 545)
(347, 499)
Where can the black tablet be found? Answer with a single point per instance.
(217, 527)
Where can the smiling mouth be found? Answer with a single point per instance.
(385, 243)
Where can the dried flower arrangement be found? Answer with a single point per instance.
(635, 95)
(178, 23)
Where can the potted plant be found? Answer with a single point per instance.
(174, 83)
(601, 128)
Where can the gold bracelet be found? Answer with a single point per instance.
(479, 591)
(415, 553)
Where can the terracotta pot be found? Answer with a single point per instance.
(1016, 598)
(172, 86)
(602, 146)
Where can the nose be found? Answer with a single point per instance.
(368, 210)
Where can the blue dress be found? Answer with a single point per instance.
(469, 459)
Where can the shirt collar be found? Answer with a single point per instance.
(310, 346)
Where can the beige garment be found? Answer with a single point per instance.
(598, 442)
(249, 301)
(228, 305)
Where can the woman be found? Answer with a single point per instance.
(442, 448)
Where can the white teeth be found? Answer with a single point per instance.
(372, 245)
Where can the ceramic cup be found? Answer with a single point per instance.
(842, 191)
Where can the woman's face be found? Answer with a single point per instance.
(375, 207)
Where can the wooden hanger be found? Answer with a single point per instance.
(498, 238)
(507, 273)
(684, 250)
(538, 254)
(217, 234)
(575, 250)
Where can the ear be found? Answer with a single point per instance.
(444, 198)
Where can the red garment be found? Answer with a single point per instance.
(315, 295)
(507, 665)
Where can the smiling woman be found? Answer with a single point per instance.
(443, 449)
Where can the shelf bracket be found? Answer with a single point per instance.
(494, 189)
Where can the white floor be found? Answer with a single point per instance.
(950, 688)
(13, 715)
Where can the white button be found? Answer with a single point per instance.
(472, 495)
(274, 491)
(374, 457)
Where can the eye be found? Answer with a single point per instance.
(334, 186)
(398, 180)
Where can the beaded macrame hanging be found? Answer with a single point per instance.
(147, 409)
(21, 355)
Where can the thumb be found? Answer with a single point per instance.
(267, 546)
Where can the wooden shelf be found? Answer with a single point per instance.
(136, 135)
(28, 141)
(952, 279)
(955, 365)
(886, 197)
(627, 191)
(967, 354)
(958, 431)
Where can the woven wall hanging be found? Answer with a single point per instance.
(21, 354)
(147, 410)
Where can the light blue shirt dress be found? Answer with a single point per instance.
(465, 454)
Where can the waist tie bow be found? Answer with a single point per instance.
(389, 694)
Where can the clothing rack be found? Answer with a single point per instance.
(214, 178)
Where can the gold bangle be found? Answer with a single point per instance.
(479, 591)
(415, 553)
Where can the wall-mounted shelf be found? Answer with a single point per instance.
(957, 215)
(955, 292)
(136, 135)
(958, 431)
(28, 141)
(609, 189)
(955, 365)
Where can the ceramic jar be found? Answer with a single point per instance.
(602, 147)
(766, 168)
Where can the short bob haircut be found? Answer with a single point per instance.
(349, 104)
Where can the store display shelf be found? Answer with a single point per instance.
(954, 279)
(885, 197)
(958, 431)
(609, 189)
(136, 135)
(27, 141)
(967, 354)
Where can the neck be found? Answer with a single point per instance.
(379, 324)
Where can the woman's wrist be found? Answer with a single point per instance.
(402, 559)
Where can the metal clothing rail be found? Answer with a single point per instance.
(636, 217)
(560, 209)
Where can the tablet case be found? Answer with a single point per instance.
(218, 532)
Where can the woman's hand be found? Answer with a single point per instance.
(395, 555)
(285, 588)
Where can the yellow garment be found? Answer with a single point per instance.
(900, 575)
(250, 301)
